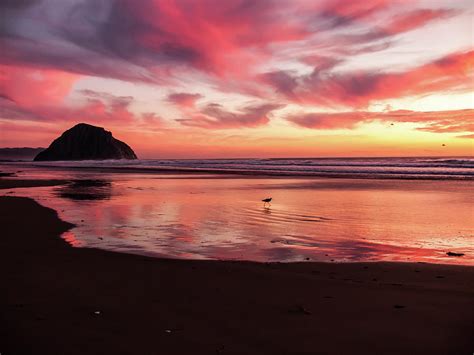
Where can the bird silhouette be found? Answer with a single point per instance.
(267, 200)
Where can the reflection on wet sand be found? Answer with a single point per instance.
(85, 190)
(317, 219)
(71, 239)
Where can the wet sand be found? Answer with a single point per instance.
(321, 220)
(63, 300)
(23, 183)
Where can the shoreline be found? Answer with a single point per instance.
(68, 300)
(257, 174)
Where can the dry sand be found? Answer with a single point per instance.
(62, 300)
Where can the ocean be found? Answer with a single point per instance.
(399, 168)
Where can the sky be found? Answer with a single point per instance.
(242, 78)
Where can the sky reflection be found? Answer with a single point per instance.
(317, 219)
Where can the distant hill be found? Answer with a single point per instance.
(24, 153)
(86, 142)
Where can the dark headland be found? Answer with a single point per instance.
(86, 142)
(24, 153)
(62, 300)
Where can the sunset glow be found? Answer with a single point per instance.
(237, 78)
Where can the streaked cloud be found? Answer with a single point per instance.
(456, 121)
(324, 87)
(215, 116)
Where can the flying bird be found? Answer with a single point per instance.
(267, 200)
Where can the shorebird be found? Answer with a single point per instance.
(267, 200)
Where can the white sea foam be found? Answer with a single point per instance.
(435, 168)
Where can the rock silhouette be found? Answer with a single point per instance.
(86, 142)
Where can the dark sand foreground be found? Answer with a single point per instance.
(57, 299)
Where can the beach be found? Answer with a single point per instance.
(236, 177)
(66, 300)
(196, 215)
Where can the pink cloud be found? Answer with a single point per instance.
(32, 94)
(322, 120)
(31, 87)
(40, 95)
(214, 116)
(432, 121)
(151, 40)
(48, 46)
(320, 62)
(344, 12)
(185, 100)
(416, 19)
(358, 89)
(131, 40)
(35, 136)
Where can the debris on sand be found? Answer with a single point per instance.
(299, 309)
(398, 306)
(450, 253)
(171, 330)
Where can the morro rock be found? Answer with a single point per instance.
(86, 142)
